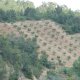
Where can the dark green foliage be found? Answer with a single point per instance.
(44, 61)
(37, 70)
(69, 19)
(27, 71)
(19, 53)
(67, 71)
(14, 75)
(2, 15)
(51, 75)
(2, 69)
(30, 13)
(10, 16)
(76, 67)
(22, 54)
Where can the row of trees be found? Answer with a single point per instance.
(61, 14)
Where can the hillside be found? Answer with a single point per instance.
(61, 48)
(51, 39)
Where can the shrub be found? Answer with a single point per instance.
(14, 75)
(22, 55)
(2, 69)
(27, 71)
(44, 61)
(76, 67)
(52, 75)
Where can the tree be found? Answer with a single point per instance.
(30, 13)
(2, 15)
(10, 15)
(2, 69)
(76, 66)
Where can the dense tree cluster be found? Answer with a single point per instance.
(22, 55)
(21, 10)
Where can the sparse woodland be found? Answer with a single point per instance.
(38, 42)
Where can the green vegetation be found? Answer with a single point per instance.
(22, 55)
(72, 73)
(2, 69)
(44, 61)
(63, 73)
(51, 75)
(69, 20)
(76, 67)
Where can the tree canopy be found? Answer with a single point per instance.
(11, 10)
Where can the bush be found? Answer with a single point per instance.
(67, 71)
(14, 75)
(51, 75)
(2, 69)
(44, 61)
(22, 55)
(27, 71)
(76, 67)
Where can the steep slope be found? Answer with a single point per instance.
(52, 40)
